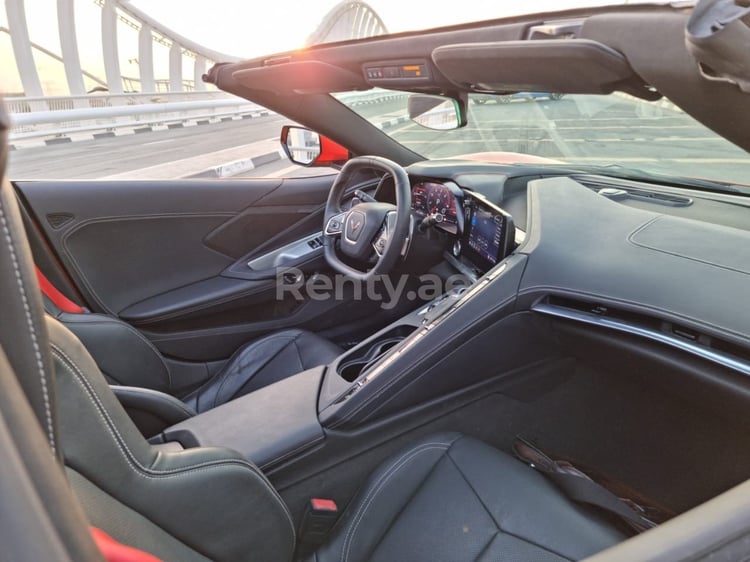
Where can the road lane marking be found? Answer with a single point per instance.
(159, 142)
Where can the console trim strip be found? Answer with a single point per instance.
(723, 359)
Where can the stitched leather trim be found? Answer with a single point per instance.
(497, 523)
(148, 472)
(90, 320)
(393, 469)
(32, 331)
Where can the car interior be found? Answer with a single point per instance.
(578, 390)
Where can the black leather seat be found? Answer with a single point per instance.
(446, 497)
(453, 498)
(262, 362)
(127, 358)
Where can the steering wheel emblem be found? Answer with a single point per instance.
(355, 222)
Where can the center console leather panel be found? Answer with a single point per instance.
(265, 426)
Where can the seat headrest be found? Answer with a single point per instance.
(23, 333)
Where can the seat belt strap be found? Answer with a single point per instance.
(58, 299)
(578, 487)
(114, 551)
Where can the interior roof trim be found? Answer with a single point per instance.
(723, 359)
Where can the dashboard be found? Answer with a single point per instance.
(483, 233)
(670, 252)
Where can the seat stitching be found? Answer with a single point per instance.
(476, 494)
(155, 474)
(497, 523)
(225, 375)
(151, 473)
(486, 546)
(397, 515)
(381, 482)
(299, 353)
(121, 323)
(71, 366)
(32, 331)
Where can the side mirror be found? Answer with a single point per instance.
(437, 112)
(308, 148)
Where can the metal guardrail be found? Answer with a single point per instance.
(61, 116)
(61, 103)
(354, 99)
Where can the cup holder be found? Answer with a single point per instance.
(367, 353)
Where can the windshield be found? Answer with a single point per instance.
(593, 130)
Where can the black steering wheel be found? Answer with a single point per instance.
(370, 229)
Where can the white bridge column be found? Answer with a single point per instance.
(175, 67)
(199, 69)
(146, 59)
(19, 37)
(109, 47)
(66, 25)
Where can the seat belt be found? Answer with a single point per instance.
(114, 551)
(580, 488)
(56, 297)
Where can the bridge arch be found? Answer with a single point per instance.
(348, 20)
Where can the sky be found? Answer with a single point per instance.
(257, 28)
(241, 28)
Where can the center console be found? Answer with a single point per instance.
(408, 363)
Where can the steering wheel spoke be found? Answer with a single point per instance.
(380, 241)
(335, 225)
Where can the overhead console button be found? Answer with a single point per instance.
(399, 72)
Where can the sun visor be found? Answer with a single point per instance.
(572, 66)
(301, 77)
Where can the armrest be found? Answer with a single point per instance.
(267, 426)
(151, 411)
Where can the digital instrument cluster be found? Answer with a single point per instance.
(484, 233)
(438, 203)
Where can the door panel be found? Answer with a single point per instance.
(126, 241)
(121, 261)
(171, 257)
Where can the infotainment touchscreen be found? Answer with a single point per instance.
(488, 236)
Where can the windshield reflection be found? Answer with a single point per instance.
(616, 129)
